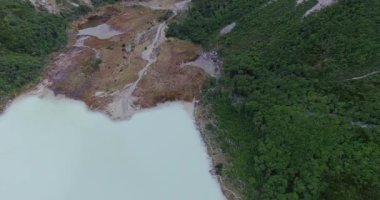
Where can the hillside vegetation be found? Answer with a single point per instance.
(292, 117)
(25, 38)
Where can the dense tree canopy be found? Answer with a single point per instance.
(294, 122)
(23, 30)
(26, 36)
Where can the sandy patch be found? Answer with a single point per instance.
(228, 28)
(103, 31)
(209, 62)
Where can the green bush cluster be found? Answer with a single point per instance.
(290, 118)
(26, 37)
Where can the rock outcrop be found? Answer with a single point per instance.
(55, 7)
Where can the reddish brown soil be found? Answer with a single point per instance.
(166, 80)
(76, 73)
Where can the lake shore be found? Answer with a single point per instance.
(205, 119)
(60, 140)
(70, 75)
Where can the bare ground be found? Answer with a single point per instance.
(136, 68)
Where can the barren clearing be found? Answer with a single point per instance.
(118, 61)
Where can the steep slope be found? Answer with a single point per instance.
(297, 108)
(119, 60)
(26, 38)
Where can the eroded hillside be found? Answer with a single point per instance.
(119, 60)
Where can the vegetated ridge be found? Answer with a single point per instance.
(298, 106)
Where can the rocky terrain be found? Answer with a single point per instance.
(55, 7)
(118, 60)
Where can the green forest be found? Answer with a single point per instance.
(26, 37)
(296, 114)
(292, 117)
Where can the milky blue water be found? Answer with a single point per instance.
(54, 149)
